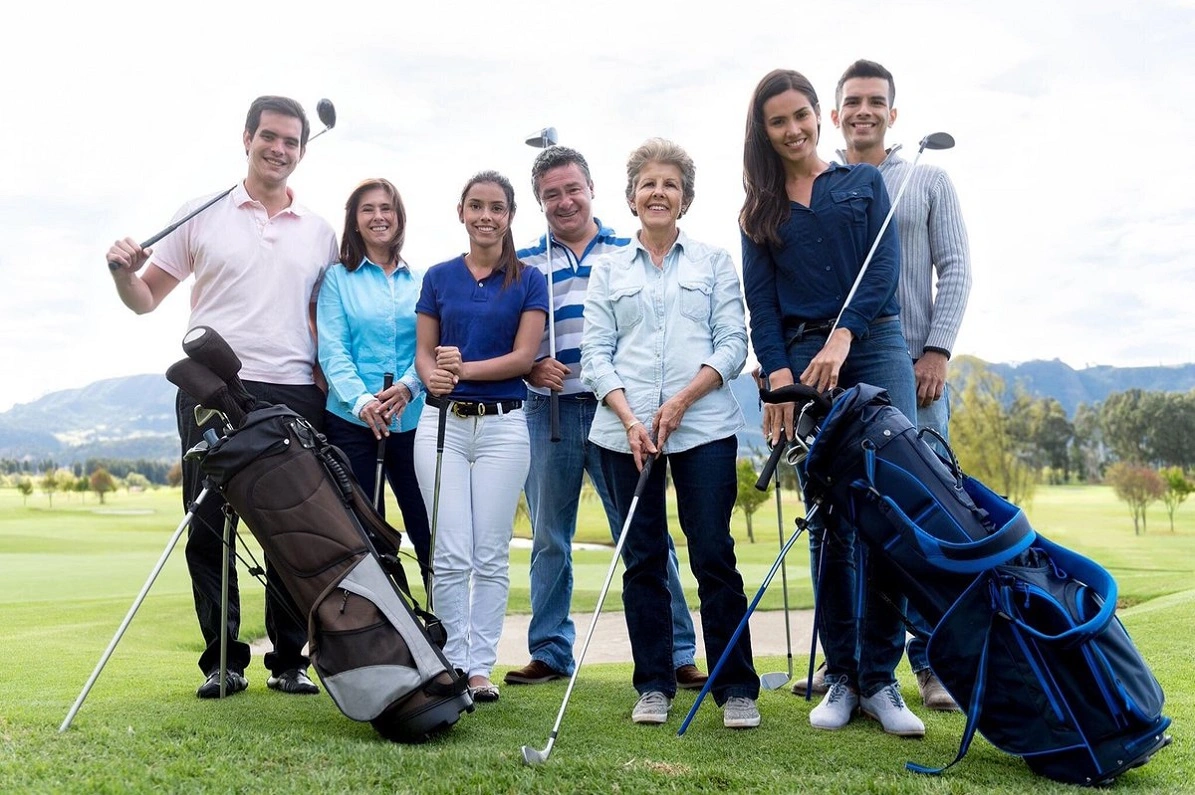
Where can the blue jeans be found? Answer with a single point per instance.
(936, 416)
(862, 636)
(398, 467)
(706, 487)
(553, 493)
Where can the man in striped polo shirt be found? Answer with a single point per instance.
(933, 241)
(564, 189)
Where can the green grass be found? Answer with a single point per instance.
(69, 574)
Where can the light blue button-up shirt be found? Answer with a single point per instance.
(366, 325)
(649, 330)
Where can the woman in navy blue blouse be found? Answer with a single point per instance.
(806, 228)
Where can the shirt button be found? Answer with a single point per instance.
(827, 267)
(819, 240)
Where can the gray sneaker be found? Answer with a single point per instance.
(740, 713)
(652, 707)
(837, 708)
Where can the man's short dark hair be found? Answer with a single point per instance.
(864, 68)
(554, 157)
(282, 105)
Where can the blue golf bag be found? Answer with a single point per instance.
(1024, 633)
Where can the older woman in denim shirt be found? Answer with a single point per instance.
(664, 334)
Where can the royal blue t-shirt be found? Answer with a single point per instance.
(481, 319)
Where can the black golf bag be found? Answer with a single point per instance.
(377, 653)
(1024, 634)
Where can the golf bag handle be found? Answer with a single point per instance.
(765, 475)
(795, 393)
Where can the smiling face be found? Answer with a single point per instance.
(791, 123)
(567, 198)
(377, 221)
(864, 114)
(658, 196)
(274, 149)
(485, 214)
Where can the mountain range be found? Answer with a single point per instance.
(133, 417)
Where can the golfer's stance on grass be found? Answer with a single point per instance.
(807, 226)
(257, 256)
(933, 241)
(664, 335)
(563, 187)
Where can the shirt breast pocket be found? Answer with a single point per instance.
(695, 296)
(627, 304)
(852, 204)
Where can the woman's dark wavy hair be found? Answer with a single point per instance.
(766, 206)
(507, 259)
(352, 244)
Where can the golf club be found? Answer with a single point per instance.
(938, 140)
(431, 547)
(734, 639)
(777, 680)
(542, 140)
(536, 756)
(327, 114)
(387, 382)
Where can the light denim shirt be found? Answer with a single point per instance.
(366, 325)
(649, 330)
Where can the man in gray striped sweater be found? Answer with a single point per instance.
(933, 243)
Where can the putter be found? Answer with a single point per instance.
(938, 140)
(431, 551)
(542, 140)
(327, 114)
(777, 680)
(536, 756)
(388, 381)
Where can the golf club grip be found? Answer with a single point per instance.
(554, 416)
(765, 475)
(146, 244)
(643, 475)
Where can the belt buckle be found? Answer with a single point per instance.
(480, 409)
(458, 410)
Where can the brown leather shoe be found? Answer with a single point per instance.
(933, 695)
(535, 672)
(690, 677)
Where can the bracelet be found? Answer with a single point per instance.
(632, 425)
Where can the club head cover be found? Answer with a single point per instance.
(205, 345)
(205, 388)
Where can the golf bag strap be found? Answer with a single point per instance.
(976, 706)
(1086, 571)
(960, 558)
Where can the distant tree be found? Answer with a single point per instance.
(989, 443)
(1170, 418)
(1178, 488)
(81, 486)
(102, 482)
(175, 476)
(1125, 422)
(135, 480)
(749, 498)
(25, 486)
(1087, 443)
(1138, 486)
(49, 484)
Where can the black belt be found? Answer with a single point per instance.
(580, 397)
(469, 408)
(822, 328)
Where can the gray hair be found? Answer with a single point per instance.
(554, 157)
(661, 150)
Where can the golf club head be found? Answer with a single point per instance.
(544, 138)
(938, 140)
(204, 415)
(774, 681)
(533, 756)
(327, 115)
(204, 344)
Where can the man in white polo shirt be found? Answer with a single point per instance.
(257, 257)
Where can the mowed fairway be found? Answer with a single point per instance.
(70, 573)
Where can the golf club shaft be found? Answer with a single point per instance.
(128, 618)
(431, 552)
(224, 600)
(553, 396)
(817, 614)
(904, 183)
(734, 639)
(788, 635)
(387, 382)
(622, 537)
(146, 244)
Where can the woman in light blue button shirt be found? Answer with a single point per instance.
(664, 335)
(366, 322)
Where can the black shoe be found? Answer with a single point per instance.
(235, 683)
(293, 681)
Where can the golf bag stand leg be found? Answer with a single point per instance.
(229, 523)
(817, 613)
(767, 580)
(128, 619)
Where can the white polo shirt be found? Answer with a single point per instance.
(255, 279)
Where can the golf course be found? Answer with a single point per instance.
(71, 571)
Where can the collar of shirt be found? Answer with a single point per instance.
(402, 265)
(674, 252)
(241, 197)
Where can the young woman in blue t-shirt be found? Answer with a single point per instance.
(480, 320)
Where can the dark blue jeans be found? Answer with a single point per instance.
(706, 486)
(861, 634)
(398, 467)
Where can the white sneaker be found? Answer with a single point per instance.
(652, 707)
(836, 709)
(740, 712)
(887, 706)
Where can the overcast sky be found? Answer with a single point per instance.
(1073, 164)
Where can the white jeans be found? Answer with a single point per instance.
(483, 469)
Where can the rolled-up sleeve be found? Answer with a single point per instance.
(759, 288)
(728, 324)
(599, 337)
